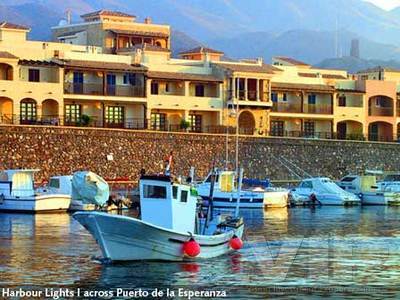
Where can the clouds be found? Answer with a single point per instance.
(386, 4)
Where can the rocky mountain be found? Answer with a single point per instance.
(353, 65)
(310, 30)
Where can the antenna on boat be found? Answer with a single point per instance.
(239, 190)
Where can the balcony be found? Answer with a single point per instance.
(325, 109)
(380, 111)
(286, 107)
(98, 89)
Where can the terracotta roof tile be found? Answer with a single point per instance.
(326, 76)
(201, 50)
(301, 86)
(104, 12)
(141, 33)
(183, 76)
(248, 68)
(5, 54)
(9, 25)
(292, 61)
(101, 65)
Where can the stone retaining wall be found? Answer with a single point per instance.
(63, 150)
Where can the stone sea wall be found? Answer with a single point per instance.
(62, 150)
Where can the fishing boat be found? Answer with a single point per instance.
(170, 227)
(386, 192)
(225, 193)
(18, 194)
(322, 190)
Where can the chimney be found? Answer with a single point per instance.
(260, 61)
(147, 20)
(207, 59)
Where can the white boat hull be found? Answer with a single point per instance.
(127, 239)
(383, 198)
(41, 203)
(275, 199)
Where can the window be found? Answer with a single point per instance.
(199, 90)
(174, 192)
(342, 100)
(72, 113)
(167, 87)
(274, 97)
(28, 111)
(284, 97)
(54, 183)
(111, 84)
(34, 75)
(78, 83)
(309, 128)
(184, 196)
(155, 191)
(312, 99)
(154, 88)
(277, 128)
(158, 121)
(195, 123)
(130, 78)
(115, 115)
(306, 185)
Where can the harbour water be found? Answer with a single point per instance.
(352, 252)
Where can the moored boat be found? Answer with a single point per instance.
(225, 193)
(18, 194)
(323, 191)
(386, 192)
(170, 227)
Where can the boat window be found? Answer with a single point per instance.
(174, 192)
(184, 196)
(348, 179)
(306, 185)
(393, 177)
(155, 191)
(54, 183)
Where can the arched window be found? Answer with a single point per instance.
(28, 111)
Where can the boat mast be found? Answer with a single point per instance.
(237, 127)
(239, 190)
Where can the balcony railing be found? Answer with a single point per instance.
(317, 109)
(380, 111)
(98, 89)
(286, 107)
(142, 124)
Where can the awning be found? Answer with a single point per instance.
(140, 33)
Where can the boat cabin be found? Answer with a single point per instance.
(167, 204)
(225, 181)
(17, 183)
(358, 184)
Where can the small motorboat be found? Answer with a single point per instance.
(17, 193)
(226, 192)
(170, 227)
(386, 192)
(323, 191)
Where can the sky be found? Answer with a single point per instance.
(386, 4)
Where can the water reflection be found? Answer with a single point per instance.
(321, 247)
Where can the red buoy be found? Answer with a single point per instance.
(191, 248)
(236, 243)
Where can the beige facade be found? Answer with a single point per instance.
(132, 82)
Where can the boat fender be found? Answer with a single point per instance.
(236, 243)
(191, 248)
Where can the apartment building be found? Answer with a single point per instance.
(112, 71)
